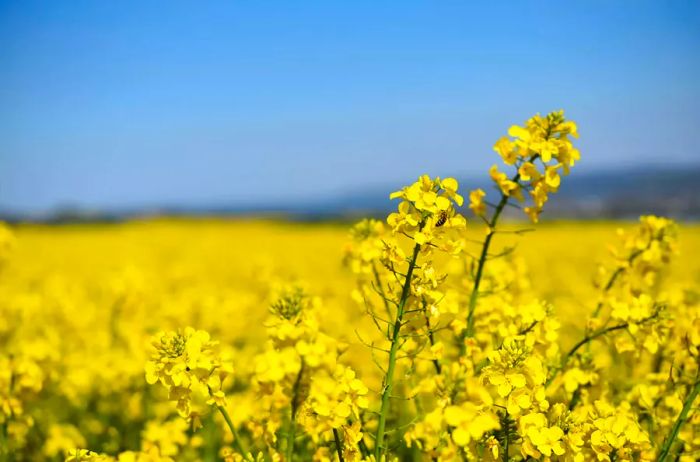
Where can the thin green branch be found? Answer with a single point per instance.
(588, 338)
(507, 440)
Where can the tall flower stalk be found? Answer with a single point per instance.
(540, 152)
(425, 216)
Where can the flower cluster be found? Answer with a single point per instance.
(541, 151)
(188, 364)
(641, 255)
(518, 376)
(427, 212)
(462, 420)
(616, 431)
(365, 247)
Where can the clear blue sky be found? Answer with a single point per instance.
(127, 103)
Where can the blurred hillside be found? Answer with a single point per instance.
(616, 194)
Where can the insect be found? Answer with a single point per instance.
(442, 218)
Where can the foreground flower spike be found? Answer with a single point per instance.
(427, 216)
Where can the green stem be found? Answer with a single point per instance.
(482, 260)
(682, 418)
(507, 439)
(362, 446)
(380, 289)
(389, 377)
(5, 449)
(294, 407)
(338, 445)
(290, 439)
(236, 439)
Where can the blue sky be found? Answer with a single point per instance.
(108, 104)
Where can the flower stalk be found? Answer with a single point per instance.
(338, 445)
(389, 376)
(293, 417)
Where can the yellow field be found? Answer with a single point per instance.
(418, 337)
(79, 304)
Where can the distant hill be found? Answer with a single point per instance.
(616, 194)
(673, 192)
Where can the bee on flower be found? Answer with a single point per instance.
(427, 210)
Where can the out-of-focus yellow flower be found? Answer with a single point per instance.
(506, 186)
(469, 423)
(185, 362)
(334, 399)
(476, 202)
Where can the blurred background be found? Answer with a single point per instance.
(315, 110)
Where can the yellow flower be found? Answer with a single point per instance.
(335, 398)
(506, 149)
(476, 202)
(62, 439)
(528, 172)
(552, 178)
(533, 213)
(450, 186)
(507, 187)
(616, 431)
(575, 377)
